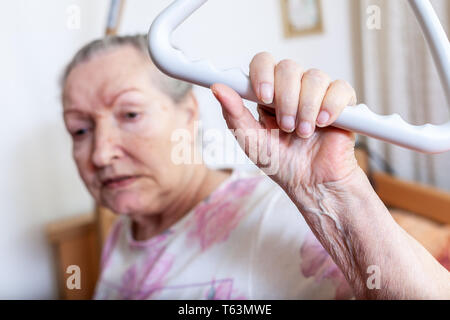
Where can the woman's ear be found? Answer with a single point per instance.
(189, 106)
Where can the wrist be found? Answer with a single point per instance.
(344, 216)
(344, 209)
(337, 196)
(357, 230)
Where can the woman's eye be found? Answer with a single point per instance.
(80, 132)
(131, 115)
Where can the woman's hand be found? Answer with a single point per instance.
(316, 166)
(306, 103)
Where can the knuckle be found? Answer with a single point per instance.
(262, 56)
(261, 66)
(343, 84)
(307, 112)
(288, 64)
(286, 101)
(317, 75)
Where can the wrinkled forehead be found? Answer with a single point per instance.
(103, 76)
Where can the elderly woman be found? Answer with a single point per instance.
(315, 229)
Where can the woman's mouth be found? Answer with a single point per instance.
(119, 182)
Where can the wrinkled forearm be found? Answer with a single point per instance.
(358, 231)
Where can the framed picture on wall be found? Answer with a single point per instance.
(302, 17)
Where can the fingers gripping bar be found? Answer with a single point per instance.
(427, 138)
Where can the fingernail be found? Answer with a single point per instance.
(266, 92)
(323, 118)
(305, 129)
(288, 123)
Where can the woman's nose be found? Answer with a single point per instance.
(106, 146)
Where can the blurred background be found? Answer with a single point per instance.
(375, 45)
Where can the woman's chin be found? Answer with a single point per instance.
(127, 203)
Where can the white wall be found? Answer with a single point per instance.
(40, 182)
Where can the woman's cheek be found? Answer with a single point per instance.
(82, 158)
(79, 154)
(146, 128)
(81, 150)
(142, 127)
(151, 146)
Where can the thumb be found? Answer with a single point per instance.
(235, 113)
(251, 134)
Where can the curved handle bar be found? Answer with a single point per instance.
(427, 138)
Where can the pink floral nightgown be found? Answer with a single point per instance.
(247, 240)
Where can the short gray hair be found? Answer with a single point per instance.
(174, 88)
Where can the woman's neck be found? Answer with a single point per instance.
(198, 185)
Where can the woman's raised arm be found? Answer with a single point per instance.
(316, 166)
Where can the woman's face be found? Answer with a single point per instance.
(121, 126)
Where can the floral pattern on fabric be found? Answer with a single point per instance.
(223, 290)
(193, 258)
(218, 215)
(152, 269)
(110, 244)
